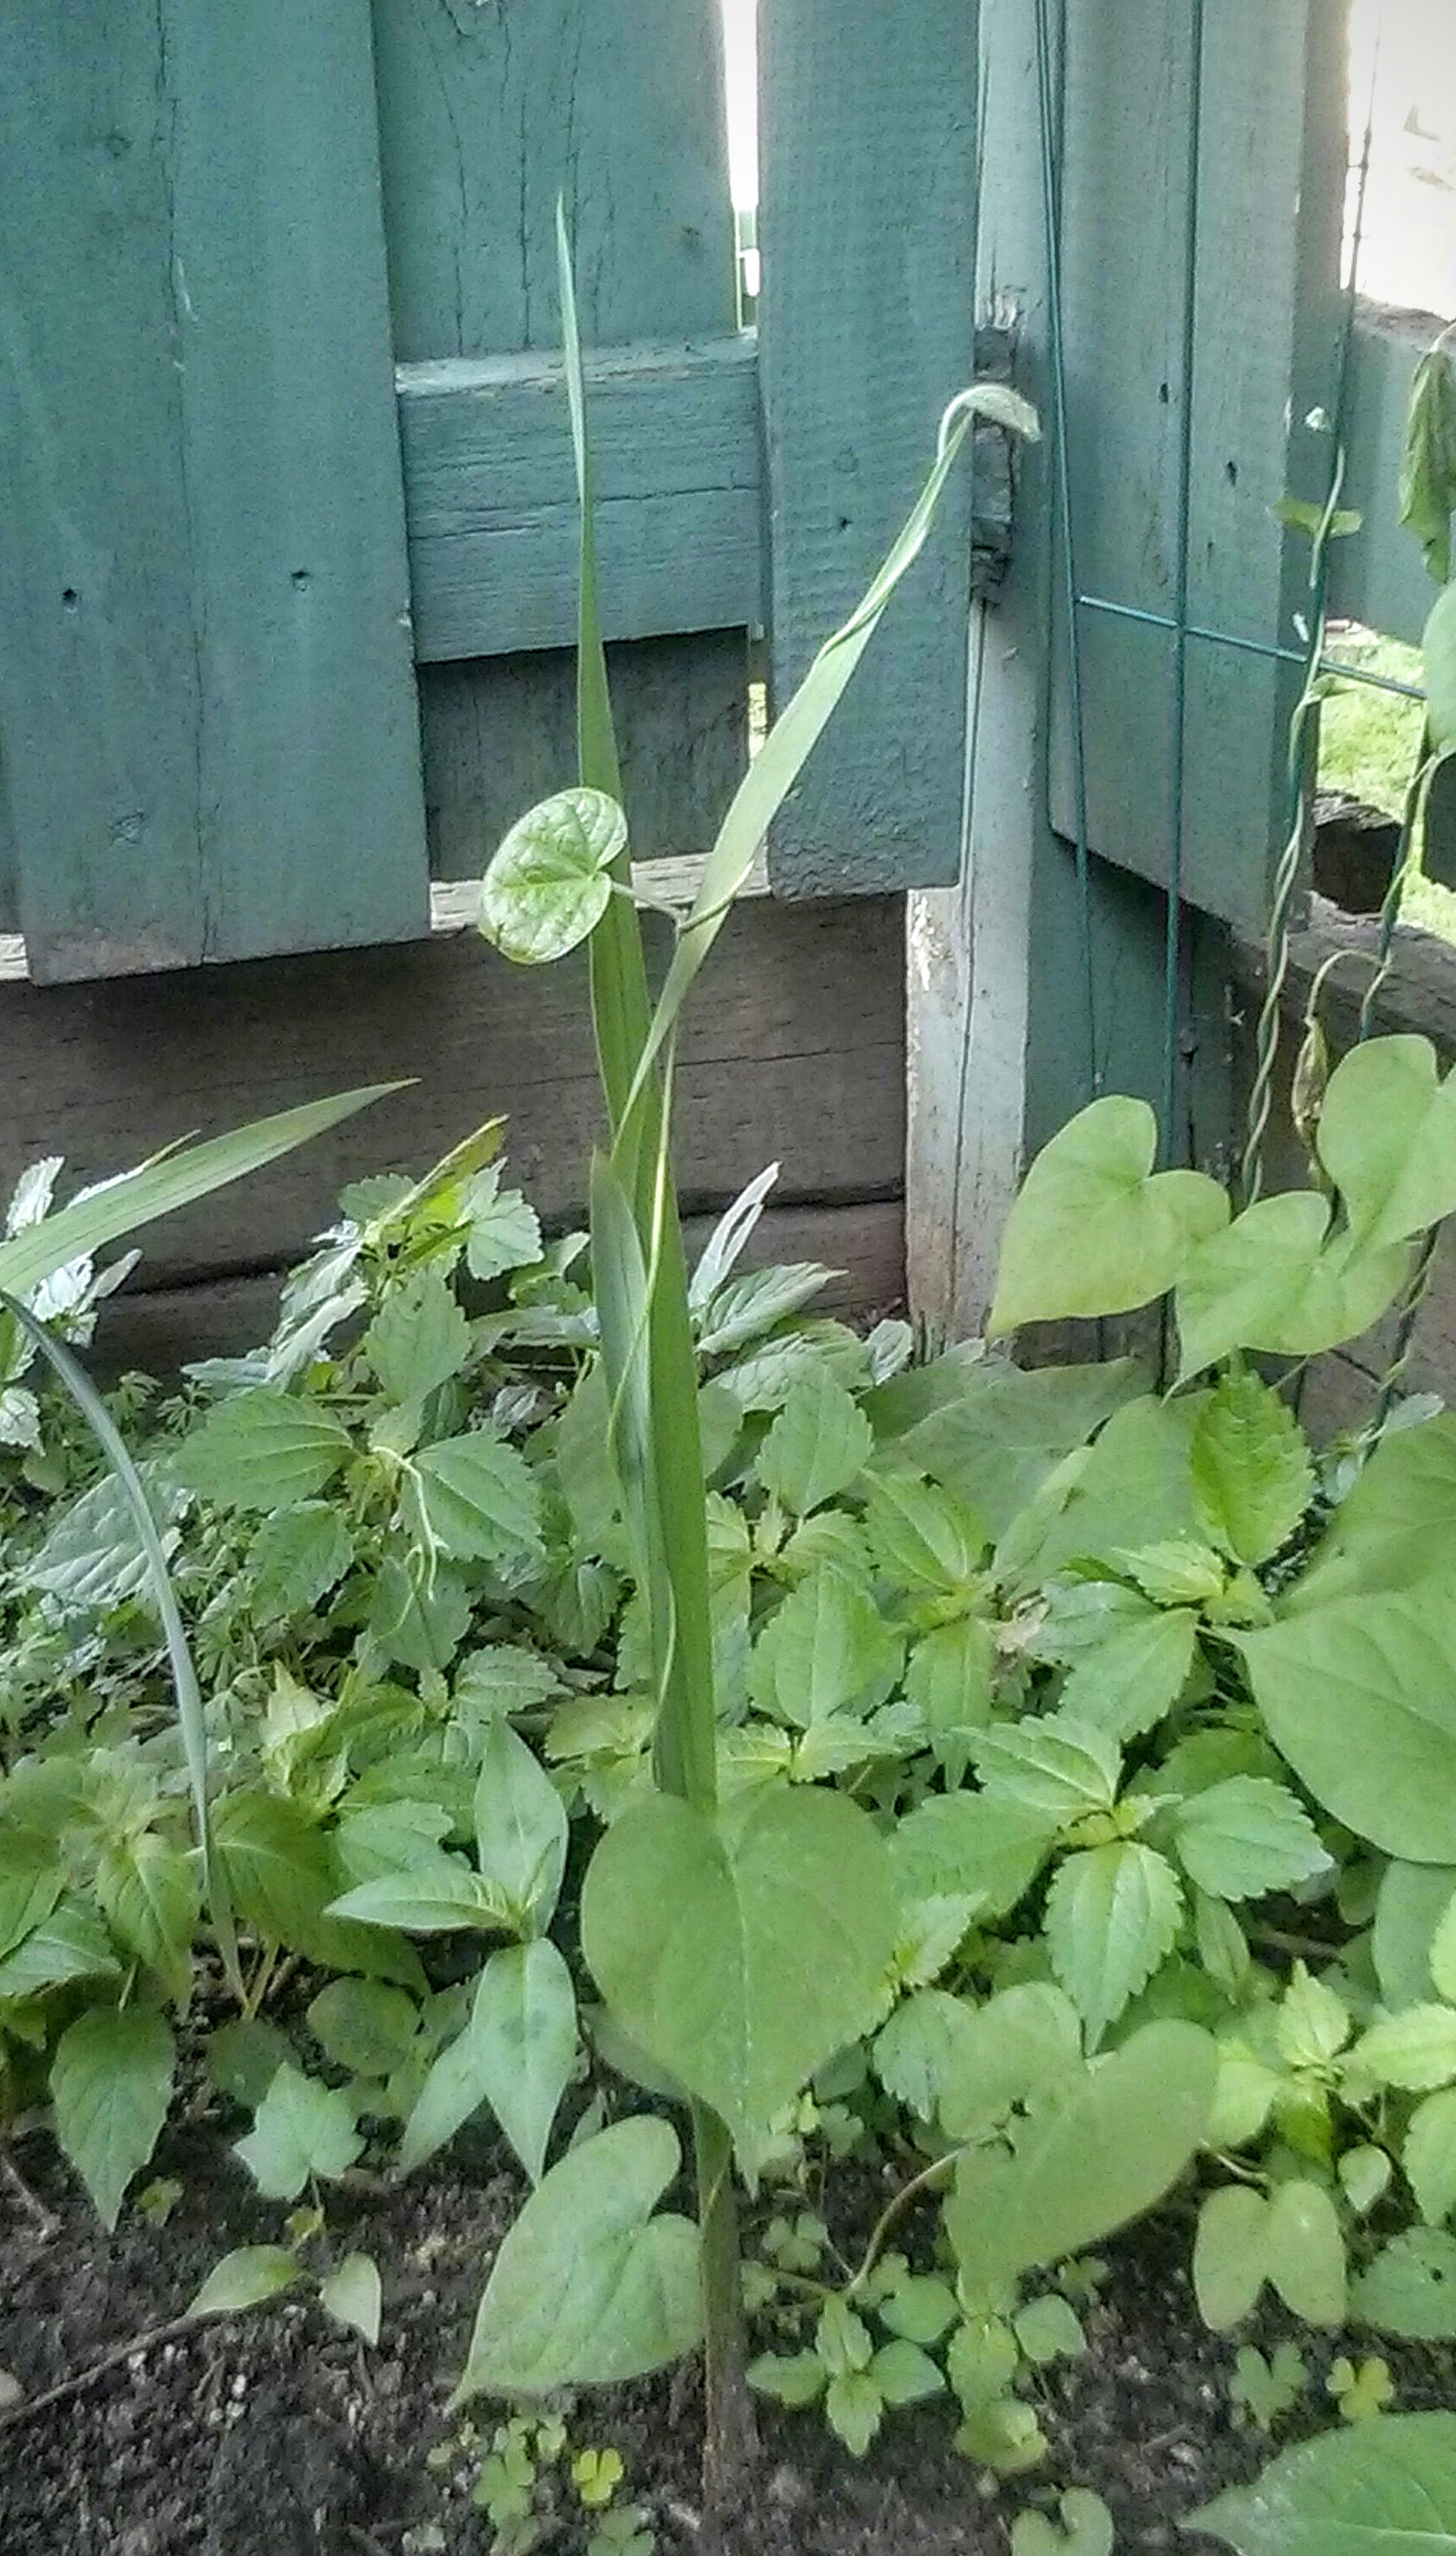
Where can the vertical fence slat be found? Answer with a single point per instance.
(1273, 154)
(867, 328)
(206, 701)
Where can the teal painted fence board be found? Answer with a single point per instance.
(488, 112)
(866, 223)
(491, 496)
(1265, 327)
(206, 703)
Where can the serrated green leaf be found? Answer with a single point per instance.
(1252, 1473)
(1387, 2486)
(434, 1894)
(949, 1683)
(1246, 1836)
(149, 1895)
(589, 2287)
(296, 1556)
(301, 2128)
(817, 1446)
(1442, 1954)
(827, 1650)
(684, 1923)
(1135, 1489)
(419, 1336)
(262, 1450)
(69, 1942)
(971, 1845)
(480, 1500)
(1112, 1914)
(922, 1535)
(915, 2051)
(1415, 2050)
(280, 1880)
(1092, 2157)
(352, 2295)
(91, 1558)
(854, 2408)
(1126, 1684)
(1049, 1764)
(1095, 1229)
(1359, 1696)
(31, 1880)
(920, 2309)
(111, 2082)
(505, 1230)
(1429, 2156)
(1229, 2254)
(246, 2278)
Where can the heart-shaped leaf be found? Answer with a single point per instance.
(590, 2288)
(1378, 2488)
(745, 1951)
(1388, 1139)
(550, 883)
(1279, 1279)
(1361, 1697)
(1095, 1229)
(1093, 2155)
(515, 2054)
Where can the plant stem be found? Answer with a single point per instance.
(928, 2180)
(730, 2437)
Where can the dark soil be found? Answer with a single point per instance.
(274, 2434)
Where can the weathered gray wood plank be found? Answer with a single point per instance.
(205, 583)
(866, 223)
(491, 496)
(1273, 158)
(796, 1055)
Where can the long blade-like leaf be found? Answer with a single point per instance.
(184, 1676)
(787, 748)
(167, 1182)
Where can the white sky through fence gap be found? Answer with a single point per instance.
(1409, 254)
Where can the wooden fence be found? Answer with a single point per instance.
(287, 562)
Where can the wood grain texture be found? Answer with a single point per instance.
(203, 580)
(491, 496)
(798, 1056)
(867, 222)
(1273, 159)
(997, 1025)
(162, 1329)
(488, 112)
(501, 734)
(1378, 575)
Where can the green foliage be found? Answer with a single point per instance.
(1427, 491)
(1372, 2490)
(589, 2286)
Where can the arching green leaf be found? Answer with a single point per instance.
(1386, 2487)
